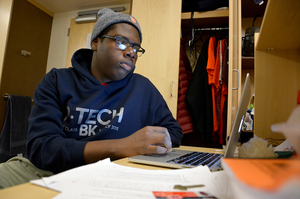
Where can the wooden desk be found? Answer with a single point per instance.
(30, 191)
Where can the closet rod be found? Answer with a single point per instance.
(207, 29)
(210, 29)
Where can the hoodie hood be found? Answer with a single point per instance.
(81, 62)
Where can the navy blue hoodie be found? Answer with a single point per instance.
(71, 108)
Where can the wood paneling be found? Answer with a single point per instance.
(29, 30)
(160, 23)
(277, 66)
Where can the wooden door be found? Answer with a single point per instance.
(29, 30)
(160, 21)
(77, 38)
(234, 69)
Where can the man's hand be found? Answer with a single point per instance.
(150, 139)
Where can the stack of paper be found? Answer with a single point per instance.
(105, 179)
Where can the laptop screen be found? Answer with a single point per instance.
(242, 108)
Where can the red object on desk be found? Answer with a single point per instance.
(263, 174)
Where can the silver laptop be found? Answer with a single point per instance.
(186, 159)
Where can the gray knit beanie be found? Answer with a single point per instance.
(107, 17)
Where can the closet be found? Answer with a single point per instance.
(162, 23)
(274, 68)
(206, 40)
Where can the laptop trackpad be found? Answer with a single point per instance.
(165, 155)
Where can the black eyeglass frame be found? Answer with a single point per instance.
(127, 46)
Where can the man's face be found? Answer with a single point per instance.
(109, 62)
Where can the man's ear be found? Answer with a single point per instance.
(95, 44)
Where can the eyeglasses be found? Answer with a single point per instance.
(123, 44)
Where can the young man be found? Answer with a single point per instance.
(98, 108)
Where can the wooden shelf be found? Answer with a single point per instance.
(277, 70)
(209, 19)
(280, 31)
(251, 10)
(247, 63)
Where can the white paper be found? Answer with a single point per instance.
(284, 146)
(105, 179)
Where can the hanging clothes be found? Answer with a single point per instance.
(185, 74)
(217, 92)
(224, 83)
(212, 71)
(217, 68)
(198, 97)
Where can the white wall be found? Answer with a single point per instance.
(59, 38)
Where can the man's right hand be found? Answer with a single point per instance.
(150, 139)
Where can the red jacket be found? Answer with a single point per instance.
(185, 75)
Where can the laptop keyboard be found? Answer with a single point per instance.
(197, 159)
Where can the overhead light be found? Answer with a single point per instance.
(259, 2)
(91, 15)
(86, 18)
